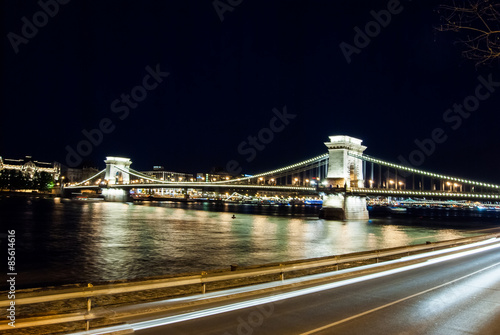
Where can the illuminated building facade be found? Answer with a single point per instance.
(29, 167)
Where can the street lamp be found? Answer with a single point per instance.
(391, 182)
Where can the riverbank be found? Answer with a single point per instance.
(31, 194)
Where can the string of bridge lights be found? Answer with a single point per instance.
(88, 179)
(163, 182)
(289, 167)
(430, 174)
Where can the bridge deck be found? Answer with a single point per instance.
(424, 194)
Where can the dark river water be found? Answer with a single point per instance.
(66, 243)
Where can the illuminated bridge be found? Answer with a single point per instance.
(343, 177)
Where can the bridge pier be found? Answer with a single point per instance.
(341, 206)
(116, 195)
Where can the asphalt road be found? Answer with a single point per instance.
(457, 296)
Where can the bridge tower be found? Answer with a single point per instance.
(344, 172)
(116, 173)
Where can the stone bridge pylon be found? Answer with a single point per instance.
(116, 173)
(344, 171)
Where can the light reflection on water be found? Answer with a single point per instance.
(92, 242)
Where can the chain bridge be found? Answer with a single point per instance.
(343, 177)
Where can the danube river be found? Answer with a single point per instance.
(66, 243)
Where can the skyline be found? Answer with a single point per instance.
(172, 84)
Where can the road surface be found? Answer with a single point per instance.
(456, 296)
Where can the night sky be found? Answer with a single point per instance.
(226, 77)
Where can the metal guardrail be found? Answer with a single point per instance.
(203, 279)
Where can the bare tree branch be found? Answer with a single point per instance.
(478, 23)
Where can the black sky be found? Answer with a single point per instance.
(226, 78)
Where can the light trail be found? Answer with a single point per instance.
(397, 301)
